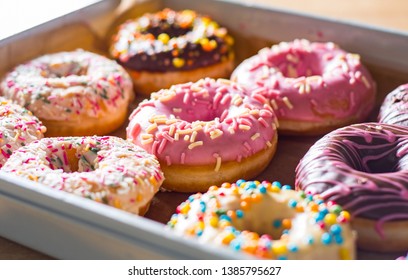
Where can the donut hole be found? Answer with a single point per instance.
(297, 63)
(73, 162)
(369, 160)
(170, 29)
(272, 217)
(201, 111)
(76, 161)
(387, 162)
(60, 69)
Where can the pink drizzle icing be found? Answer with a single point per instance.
(309, 81)
(364, 168)
(207, 122)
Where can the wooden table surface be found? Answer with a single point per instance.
(389, 14)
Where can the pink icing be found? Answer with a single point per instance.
(207, 122)
(309, 81)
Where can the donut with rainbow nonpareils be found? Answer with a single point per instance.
(266, 220)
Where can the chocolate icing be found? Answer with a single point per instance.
(193, 40)
(363, 167)
(394, 109)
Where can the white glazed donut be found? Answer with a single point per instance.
(105, 169)
(18, 127)
(73, 93)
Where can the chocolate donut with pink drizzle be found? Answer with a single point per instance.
(313, 87)
(394, 109)
(205, 133)
(364, 168)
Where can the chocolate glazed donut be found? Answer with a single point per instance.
(172, 47)
(394, 109)
(364, 168)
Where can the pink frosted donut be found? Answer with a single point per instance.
(105, 169)
(18, 127)
(73, 93)
(313, 87)
(205, 133)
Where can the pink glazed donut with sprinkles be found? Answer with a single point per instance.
(266, 220)
(105, 169)
(73, 93)
(313, 87)
(18, 127)
(205, 133)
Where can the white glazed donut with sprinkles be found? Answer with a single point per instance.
(266, 220)
(205, 133)
(105, 169)
(18, 127)
(74, 93)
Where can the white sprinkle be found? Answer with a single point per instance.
(146, 136)
(255, 136)
(151, 128)
(193, 136)
(237, 100)
(215, 133)
(195, 144)
(171, 121)
(147, 141)
(172, 130)
(224, 81)
(365, 81)
(307, 88)
(177, 110)
(185, 131)
(292, 58)
(197, 127)
(176, 136)
(186, 137)
(287, 102)
(274, 104)
(218, 164)
(269, 144)
(166, 97)
(244, 127)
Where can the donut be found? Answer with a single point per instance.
(394, 109)
(363, 168)
(266, 220)
(172, 47)
(403, 257)
(204, 133)
(74, 93)
(313, 87)
(18, 127)
(105, 169)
